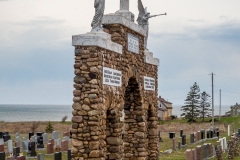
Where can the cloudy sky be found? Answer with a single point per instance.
(195, 39)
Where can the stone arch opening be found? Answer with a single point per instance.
(134, 121)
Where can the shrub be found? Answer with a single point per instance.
(64, 118)
(34, 126)
(49, 128)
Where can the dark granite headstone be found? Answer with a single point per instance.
(30, 135)
(171, 135)
(6, 136)
(58, 156)
(218, 134)
(16, 151)
(40, 140)
(69, 154)
(192, 138)
(208, 134)
(202, 134)
(71, 134)
(183, 139)
(1, 134)
(181, 133)
(211, 134)
(179, 145)
(2, 155)
(31, 149)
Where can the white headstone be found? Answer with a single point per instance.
(10, 146)
(66, 138)
(54, 135)
(58, 141)
(25, 145)
(1, 141)
(224, 143)
(45, 138)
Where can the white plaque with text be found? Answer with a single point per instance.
(133, 43)
(112, 77)
(149, 83)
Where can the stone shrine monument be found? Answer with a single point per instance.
(115, 79)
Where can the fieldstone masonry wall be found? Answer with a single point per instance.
(97, 108)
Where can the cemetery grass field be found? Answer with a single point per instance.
(168, 126)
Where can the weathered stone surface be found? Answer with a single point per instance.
(139, 135)
(94, 145)
(77, 143)
(113, 141)
(77, 119)
(94, 154)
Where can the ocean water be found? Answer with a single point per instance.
(17, 113)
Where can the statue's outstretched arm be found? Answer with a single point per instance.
(157, 15)
(96, 3)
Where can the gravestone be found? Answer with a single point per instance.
(208, 134)
(202, 134)
(1, 141)
(179, 145)
(51, 141)
(11, 158)
(1, 135)
(69, 155)
(191, 138)
(66, 139)
(195, 137)
(199, 135)
(31, 149)
(50, 148)
(189, 155)
(10, 146)
(70, 134)
(6, 137)
(66, 134)
(58, 156)
(174, 144)
(58, 142)
(218, 134)
(55, 135)
(21, 158)
(1, 147)
(211, 134)
(183, 139)
(205, 150)
(181, 133)
(16, 152)
(2, 155)
(18, 144)
(198, 152)
(194, 152)
(40, 144)
(64, 146)
(171, 135)
(25, 145)
(30, 135)
(45, 138)
(40, 157)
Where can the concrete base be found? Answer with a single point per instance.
(100, 39)
(150, 59)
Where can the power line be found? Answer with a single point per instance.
(228, 77)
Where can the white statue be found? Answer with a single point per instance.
(143, 18)
(97, 19)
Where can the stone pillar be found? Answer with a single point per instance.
(189, 155)
(174, 144)
(199, 152)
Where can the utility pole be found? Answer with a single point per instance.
(212, 103)
(220, 105)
